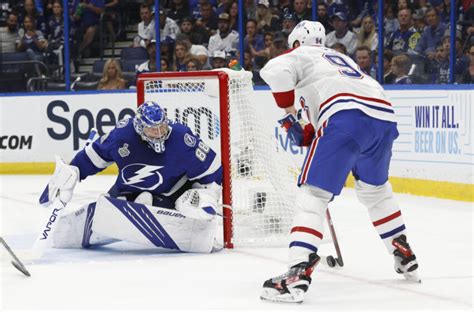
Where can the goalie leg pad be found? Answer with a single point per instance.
(74, 229)
(383, 210)
(152, 226)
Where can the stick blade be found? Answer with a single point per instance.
(20, 267)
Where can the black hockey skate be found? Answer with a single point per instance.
(405, 259)
(291, 286)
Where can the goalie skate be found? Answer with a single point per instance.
(405, 259)
(292, 285)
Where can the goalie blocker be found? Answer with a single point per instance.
(111, 219)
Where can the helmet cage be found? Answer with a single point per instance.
(151, 116)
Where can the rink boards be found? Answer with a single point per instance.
(431, 157)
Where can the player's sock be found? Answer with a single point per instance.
(292, 285)
(405, 259)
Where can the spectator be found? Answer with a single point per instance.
(419, 22)
(341, 33)
(196, 50)
(150, 65)
(31, 10)
(233, 10)
(179, 10)
(468, 74)
(165, 64)
(31, 41)
(363, 58)
(9, 34)
(339, 47)
(87, 15)
(112, 76)
(360, 9)
(248, 66)
(402, 5)
(264, 55)
(181, 56)
(388, 76)
(250, 9)
(48, 8)
(111, 16)
(56, 27)
(218, 59)
(193, 64)
(301, 11)
(280, 44)
(438, 67)
(367, 35)
(289, 23)
(56, 34)
(196, 34)
(432, 35)
(390, 22)
(283, 6)
(462, 60)
(406, 37)
(253, 41)
(222, 7)
(400, 66)
(168, 28)
(208, 20)
(146, 28)
(323, 18)
(442, 9)
(266, 21)
(225, 39)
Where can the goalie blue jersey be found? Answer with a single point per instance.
(185, 159)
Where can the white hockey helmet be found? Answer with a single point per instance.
(308, 33)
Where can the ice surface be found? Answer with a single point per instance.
(126, 276)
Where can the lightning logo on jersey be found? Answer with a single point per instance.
(141, 176)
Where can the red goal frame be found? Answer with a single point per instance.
(223, 80)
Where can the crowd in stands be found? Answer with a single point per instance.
(204, 34)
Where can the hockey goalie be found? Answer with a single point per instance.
(166, 193)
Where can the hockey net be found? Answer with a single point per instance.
(259, 185)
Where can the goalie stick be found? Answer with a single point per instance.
(15, 262)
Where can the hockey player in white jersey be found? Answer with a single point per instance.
(166, 193)
(350, 127)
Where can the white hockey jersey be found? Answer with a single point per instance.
(324, 81)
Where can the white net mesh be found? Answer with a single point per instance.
(263, 177)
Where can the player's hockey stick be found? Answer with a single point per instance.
(330, 259)
(15, 262)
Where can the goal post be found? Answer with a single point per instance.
(259, 177)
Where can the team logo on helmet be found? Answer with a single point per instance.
(141, 176)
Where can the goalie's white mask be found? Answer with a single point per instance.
(152, 126)
(308, 33)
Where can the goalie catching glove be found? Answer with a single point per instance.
(299, 131)
(62, 183)
(197, 204)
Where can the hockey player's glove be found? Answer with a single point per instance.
(300, 132)
(197, 204)
(62, 183)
